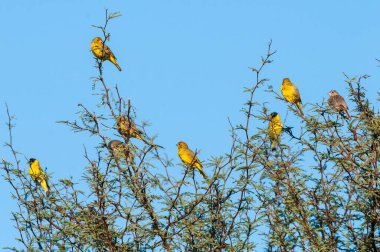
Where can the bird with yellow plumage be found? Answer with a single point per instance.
(274, 129)
(37, 174)
(103, 52)
(189, 158)
(291, 93)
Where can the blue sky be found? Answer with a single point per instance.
(185, 64)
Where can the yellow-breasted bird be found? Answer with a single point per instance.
(274, 129)
(103, 52)
(128, 129)
(37, 174)
(291, 93)
(188, 157)
(337, 102)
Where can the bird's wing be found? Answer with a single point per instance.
(341, 102)
(193, 158)
(136, 132)
(297, 94)
(331, 101)
(337, 102)
(108, 51)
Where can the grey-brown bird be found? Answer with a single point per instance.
(119, 150)
(128, 129)
(337, 102)
(115, 145)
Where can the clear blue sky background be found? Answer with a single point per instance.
(185, 64)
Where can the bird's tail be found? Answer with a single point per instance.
(273, 145)
(347, 114)
(299, 106)
(113, 60)
(118, 67)
(201, 171)
(45, 186)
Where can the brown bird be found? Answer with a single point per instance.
(119, 150)
(128, 129)
(337, 102)
(115, 145)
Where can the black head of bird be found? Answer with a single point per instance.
(272, 115)
(31, 160)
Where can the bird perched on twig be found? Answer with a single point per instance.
(274, 129)
(118, 149)
(103, 52)
(37, 174)
(115, 146)
(189, 158)
(291, 93)
(337, 102)
(128, 129)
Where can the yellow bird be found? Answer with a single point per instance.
(103, 52)
(291, 93)
(37, 174)
(188, 157)
(274, 129)
(128, 129)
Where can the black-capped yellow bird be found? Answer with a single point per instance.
(188, 158)
(37, 174)
(337, 102)
(128, 129)
(291, 93)
(103, 52)
(274, 129)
